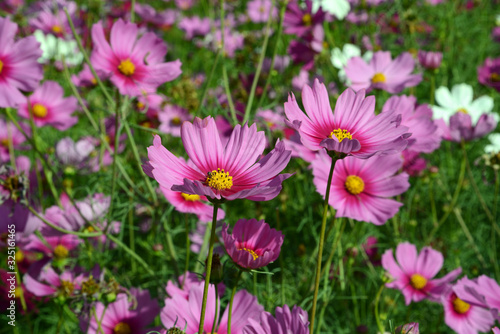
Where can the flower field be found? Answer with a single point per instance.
(249, 167)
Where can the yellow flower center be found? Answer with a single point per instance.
(18, 292)
(126, 67)
(57, 29)
(94, 81)
(19, 256)
(495, 77)
(176, 121)
(254, 255)
(354, 184)
(340, 134)
(307, 19)
(418, 281)
(5, 142)
(140, 105)
(190, 198)
(39, 110)
(122, 328)
(460, 306)
(378, 77)
(219, 179)
(61, 252)
(462, 110)
(66, 289)
(90, 286)
(1, 66)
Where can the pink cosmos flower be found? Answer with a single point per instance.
(496, 330)
(74, 154)
(413, 163)
(360, 187)
(463, 317)
(430, 60)
(55, 22)
(194, 26)
(489, 73)
(483, 292)
(253, 244)
(59, 247)
(49, 107)
(353, 127)
(64, 284)
(136, 64)
(124, 316)
(233, 41)
(286, 321)
(19, 67)
(305, 50)
(221, 172)
(382, 72)
(181, 311)
(259, 10)
(86, 79)
(425, 136)
(300, 21)
(9, 135)
(191, 204)
(171, 119)
(462, 127)
(414, 273)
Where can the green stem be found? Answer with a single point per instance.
(433, 204)
(230, 311)
(132, 11)
(469, 236)
(188, 245)
(433, 86)
(377, 316)
(207, 83)
(115, 157)
(228, 95)
(335, 244)
(131, 230)
(131, 253)
(493, 252)
(208, 268)
(214, 326)
(321, 244)
(259, 67)
(171, 249)
(60, 229)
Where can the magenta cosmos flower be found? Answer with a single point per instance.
(64, 284)
(489, 73)
(218, 171)
(464, 317)
(483, 292)
(414, 273)
(425, 136)
(360, 187)
(382, 72)
(49, 107)
(195, 204)
(19, 67)
(353, 127)
(286, 321)
(253, 244)
(430, 60)
(300, 21)
(136, 64)
(125, 316)
(181, 311)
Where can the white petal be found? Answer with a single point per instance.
(444, 99)
(463, 94)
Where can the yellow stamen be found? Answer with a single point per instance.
(219, 179)
(254, 255)
(460, 306)
(122, 328)
(378, 78)
(175, 121)
(307, 19)
(126, 67)
(418, 281)
(190, 198)
(57, 29)
(19, 256)
(90, 286)
(354, 184)
(61, 252)
(1, 66)
(94, 81)
(18, 291)
(66, 289)
(39, 111)
(495, 77)
(5, 142)
(140, 105)
(340, 134)
(462, 110)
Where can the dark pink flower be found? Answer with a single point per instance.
(430, 60)
(462, 128)
(136, 63)
(414, 273)
(295, 321)
(19, 67)
(253, 244)
(489, 73)
(413, 163)
(300, 21)
(483, 292)
(352, 128)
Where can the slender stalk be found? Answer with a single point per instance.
(377, 316)
(493, 252)
(207, 83)
(321, 244)
(259, 67)
(60, 229)
(115, 157)
(228, 95)
(214, 326)
(171, 249)
(132, 11)
(230, 311)
(433, 204)
(188, 244)
(335, 244)
(469, 236)
(208, 268)
(131, 231)
(433, 86)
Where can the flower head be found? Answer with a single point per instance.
(259, 10)
(360, 188)
(221, 172)
(489, 73)
(286, 321)
(301, 21)
(351, 129)
(414, 273)
(430, 60)
(252, 244)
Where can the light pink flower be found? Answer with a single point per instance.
(463, 317)
(136, 64)
(64, 284)
(171, 118)
(483, 291)
(19, 67)
(252, 244)
(227, 172)
(86, 79)
(352, 128)
(414, 273)
(259, 10)
(9, 134)
(382, 72)
(286, 321)
(49, 107)
(194, 26)
(360, 187)
(425, 136)
(55, 22)
(59, 247)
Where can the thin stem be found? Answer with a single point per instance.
(259, 67)
(115, 157)
(131, 230)
(208, 268)
(214, 326)
(60, 229)
(230, 311)
(171, 249)
(207, 83)
(433, 86)
(132, 11)
(228, 95)
(335, 243)
(433, 204)
(321, 244)
(188, 244)
(377, 316)
(493, 253)
(469, 236)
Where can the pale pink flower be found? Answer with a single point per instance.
(64, 285)
(9, 135)
(286, 321)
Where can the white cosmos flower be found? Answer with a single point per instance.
(55, 48)
(460, 99)
(341, 57)
(494, 147)
(338, 8)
